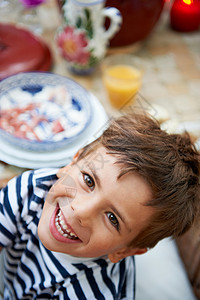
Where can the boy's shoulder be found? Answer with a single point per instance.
(34, 185)
(25, 193)
(32, 179)
(45, 176)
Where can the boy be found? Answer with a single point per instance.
(72, 233)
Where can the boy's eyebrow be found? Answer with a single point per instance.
(93, 170)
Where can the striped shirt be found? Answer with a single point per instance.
(34, 272)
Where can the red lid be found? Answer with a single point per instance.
(21, 51)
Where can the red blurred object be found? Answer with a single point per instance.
(185, 15)
(21, 51)
(139, 18)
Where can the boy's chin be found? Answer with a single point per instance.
(46, 242)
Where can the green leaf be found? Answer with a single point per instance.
(87, 13)
(88, 25)
(93, 60)
(79, 22)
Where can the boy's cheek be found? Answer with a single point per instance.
(51, 195)
(62, 195)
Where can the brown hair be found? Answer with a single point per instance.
(169, 162)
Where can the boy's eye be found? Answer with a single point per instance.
(89, 181)
(113, 220)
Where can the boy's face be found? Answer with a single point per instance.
(89, 212)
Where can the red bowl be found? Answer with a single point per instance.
(21, 51)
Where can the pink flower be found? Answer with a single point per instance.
(31, 3)
(73, 46)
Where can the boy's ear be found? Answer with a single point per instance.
(124, 252)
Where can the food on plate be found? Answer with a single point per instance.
(39, 113)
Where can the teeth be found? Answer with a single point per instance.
(72, 234)
(63, 228)
(62, 223)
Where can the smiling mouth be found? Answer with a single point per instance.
(63, 228)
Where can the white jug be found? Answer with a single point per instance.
(83, 38)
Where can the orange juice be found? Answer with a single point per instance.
(122, 82)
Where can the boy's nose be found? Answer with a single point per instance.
(84, 210)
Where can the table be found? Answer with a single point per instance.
(171, 79)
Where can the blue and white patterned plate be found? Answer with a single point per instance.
(60, 157)
(42, 111)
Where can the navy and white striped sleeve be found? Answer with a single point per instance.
(20, 200)
(12, 199)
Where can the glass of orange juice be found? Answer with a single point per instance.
(122, 77)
